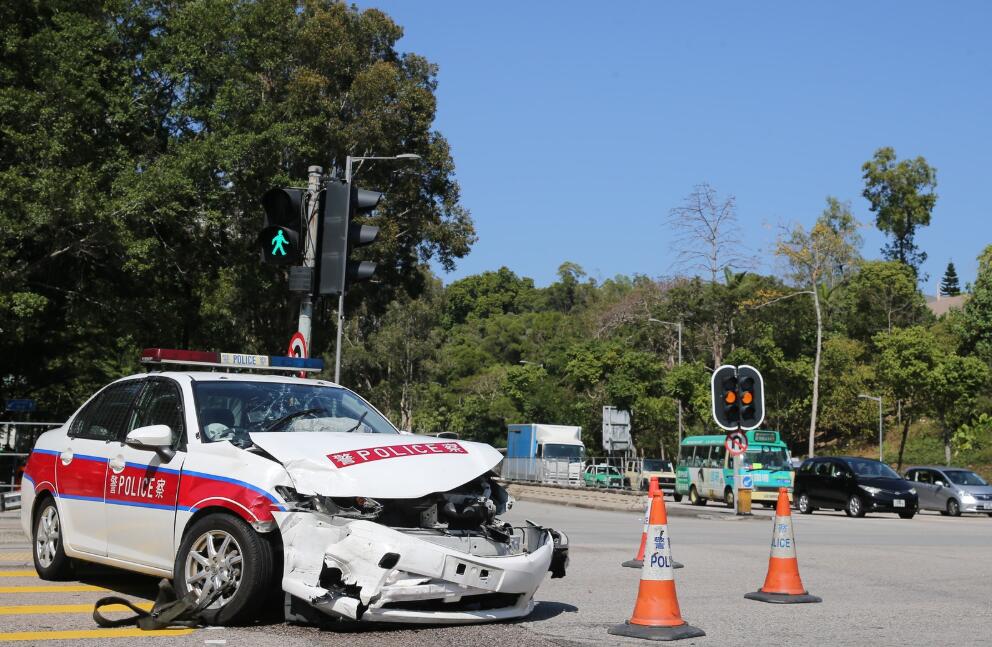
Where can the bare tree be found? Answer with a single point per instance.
(707, 240)
(707, 235)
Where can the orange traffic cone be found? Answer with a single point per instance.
(638, 561)
(783, 585)
(656, 612)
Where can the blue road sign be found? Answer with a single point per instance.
(22, 405)
(747, 481)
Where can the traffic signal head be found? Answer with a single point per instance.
(738, 397)
(340, 235)
(280, 239)
(726, 402)
(751, 393)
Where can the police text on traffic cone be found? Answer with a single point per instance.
(656, 613)
(783, 584)
(638, 561)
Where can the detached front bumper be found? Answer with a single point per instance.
(362, 570)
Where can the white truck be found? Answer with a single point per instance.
(544, 453)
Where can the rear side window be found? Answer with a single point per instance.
(823, 469)
(807, 467)
(925, 476)
(106, 416)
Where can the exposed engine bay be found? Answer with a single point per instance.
(441, 557)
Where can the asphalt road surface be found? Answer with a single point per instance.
(883, 580)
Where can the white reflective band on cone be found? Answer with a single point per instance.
(658, 555)
(783, 543)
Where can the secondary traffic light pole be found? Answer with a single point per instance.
(349, 160)
(310, 252)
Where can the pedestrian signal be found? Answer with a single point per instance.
(280, 239)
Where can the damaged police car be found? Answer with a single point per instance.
(232, 484)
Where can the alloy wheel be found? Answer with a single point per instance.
(213, 565)
(47, 536)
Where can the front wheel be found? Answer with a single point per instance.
(855, 507)
(953, 508)
(694, 497)
(221, 557)
(803, 504)
(728, 498)
(907, 515)
(49, 555)
(678, 497)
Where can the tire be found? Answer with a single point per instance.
(953, 508)
(907, 515)
(678, 497)
(989, 513)
(230, 537)
(803, 504)
(644, 486)
(855, 507)
(728, 498)
(47, 543)
(694, 497)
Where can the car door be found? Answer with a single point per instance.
(81, 468)
(838, 488)
(925, 489)
(942, 490)
(143, 485)
(820, 481)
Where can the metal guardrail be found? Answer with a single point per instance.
(16, 441)
(542, 470)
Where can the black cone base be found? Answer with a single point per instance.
(656, 633)
(782, 598)
(639, 563)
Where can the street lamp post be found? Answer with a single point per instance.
(348, 163)
(879, 400)
(678, 326)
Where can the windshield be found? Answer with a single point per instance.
(229, 410)
(864, 467)
(964, 477)
(656, 465)
(767, 458)
(564, 452)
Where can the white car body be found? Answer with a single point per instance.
(129, 507)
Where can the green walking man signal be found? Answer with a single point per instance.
(278, 244)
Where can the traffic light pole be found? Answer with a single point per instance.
(316, 175)
(337, 346)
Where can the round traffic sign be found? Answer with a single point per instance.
(736, 443)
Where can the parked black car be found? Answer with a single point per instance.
(854, 485)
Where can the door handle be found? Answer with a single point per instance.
(66, 457)
(117, 464)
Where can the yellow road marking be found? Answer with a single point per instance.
(51, 588)
(24, 573)
(37, 609)
(82, 634)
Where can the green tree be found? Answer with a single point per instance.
(975, 323)
(901, 195)
(819, 260)
(955, 385)
(907, 358)
(949, 286)
(880, 296)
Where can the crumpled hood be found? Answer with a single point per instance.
(376, 465)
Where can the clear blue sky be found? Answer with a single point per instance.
(576, 126)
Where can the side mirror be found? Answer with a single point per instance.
(156, 438)
(940, 484)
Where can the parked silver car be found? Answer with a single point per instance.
(951, 490)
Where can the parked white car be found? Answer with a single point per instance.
(206, 477)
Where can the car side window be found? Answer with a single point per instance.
(823, 469)
(106, 417)
(836, 469)
(938, 478)
(924, 476)
(717, 454)
(160, 404)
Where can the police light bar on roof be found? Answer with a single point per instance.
(229, 360)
